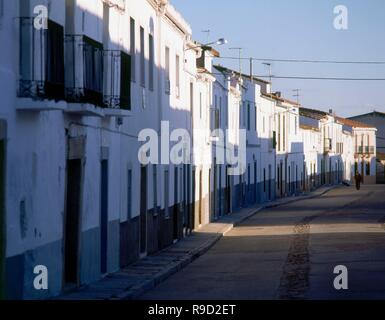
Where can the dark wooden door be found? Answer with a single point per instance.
(176, 206)
(72, 221)
(143, 210)
(228, 191)
(103, 216)
(2, 219)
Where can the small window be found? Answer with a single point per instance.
(167, 70)
(132, 48)
(177, 76)
(264, 180)
(151, 62)
(142, 59)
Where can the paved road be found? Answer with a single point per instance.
(290, 252)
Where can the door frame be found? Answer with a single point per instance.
(82, 164)
(143, 212)
(3, 230)
(65, 283)
(104, 215)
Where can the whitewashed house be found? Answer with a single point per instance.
(79, 197)
(289, 146)
(376, 119)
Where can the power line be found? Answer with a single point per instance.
(323, 78)
(313, 78)
(306, 61)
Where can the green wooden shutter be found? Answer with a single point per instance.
(125, 82)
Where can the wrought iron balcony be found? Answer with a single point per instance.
(84, 70)
(117, 84)
(41, 61)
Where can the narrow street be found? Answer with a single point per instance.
(290, 252)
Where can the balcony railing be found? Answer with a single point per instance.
(365, 149)
(84, 70)
(41, 60)
(117, 84)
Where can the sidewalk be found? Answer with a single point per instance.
(134, 280)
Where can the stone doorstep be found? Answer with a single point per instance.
(147, 274)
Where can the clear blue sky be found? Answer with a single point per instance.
(301, 29)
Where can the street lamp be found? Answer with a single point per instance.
(219, 42)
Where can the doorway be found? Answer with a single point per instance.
(2, 216)
(176, 205)
(104, 216)
(72, 221)
(143, 210)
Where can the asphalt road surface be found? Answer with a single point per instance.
(290, 252)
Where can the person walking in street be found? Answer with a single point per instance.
(358, 179)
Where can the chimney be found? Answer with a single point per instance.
(331, 111)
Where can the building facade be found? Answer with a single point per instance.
(118, 137)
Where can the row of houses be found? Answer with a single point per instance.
(120, 135)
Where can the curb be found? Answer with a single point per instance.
(136, 292)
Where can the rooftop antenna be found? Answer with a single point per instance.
(207, 35)
(268, 64)
(240, 58)
(297, 94)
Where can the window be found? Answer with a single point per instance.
(216, 119)
(167, 70)
(151, 62)
(264, 180)
(129, 195)
(142, 59)
(125, 82)
(166, 194)
(177, 76)
(41, 60)
(255, 118)
(132, 48)
(278, 177)
(191, 97)
(155, 186)
(368, 168)
(248, 116)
